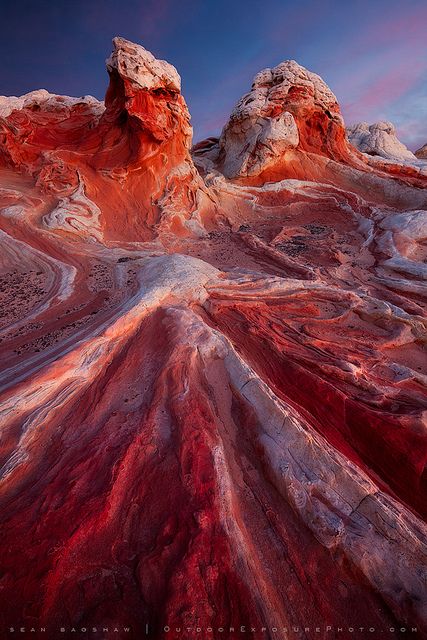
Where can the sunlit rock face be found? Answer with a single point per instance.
(144, 101)
(139, 139)
(379, 139)
(289, 125)
(213, 366)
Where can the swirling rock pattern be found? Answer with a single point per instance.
(213, 389)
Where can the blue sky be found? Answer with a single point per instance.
(373, 54)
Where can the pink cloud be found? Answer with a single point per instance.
(404, 26)
(382, 91)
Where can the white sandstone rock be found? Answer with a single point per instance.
(76, 214)
(260, 128)
(249, 151)
(46, 100)
(379, 139)
(139, 66)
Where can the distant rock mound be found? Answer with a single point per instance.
(421, 153)
(379, 139)
(42, 99)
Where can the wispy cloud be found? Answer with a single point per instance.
(384, 67)
(373, 56)
(384, 89)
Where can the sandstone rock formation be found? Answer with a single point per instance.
(379, 139)
(140, 138)
(289, 126)
(213, 379)
(421, 153)
(287, 107)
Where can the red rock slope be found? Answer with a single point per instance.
(213, 378)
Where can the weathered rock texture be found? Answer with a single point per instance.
(140, 140)
(379, 139)
(213, 389)
(421, 153)
(288, 107)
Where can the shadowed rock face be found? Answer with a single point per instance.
(213, 367)
(421, 153)
(144, 99)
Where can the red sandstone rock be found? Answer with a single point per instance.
(288, 107)
(290, 126)
(213, 388)
(141, 140)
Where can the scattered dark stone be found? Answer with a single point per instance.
(292, 248)
(314, 228)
